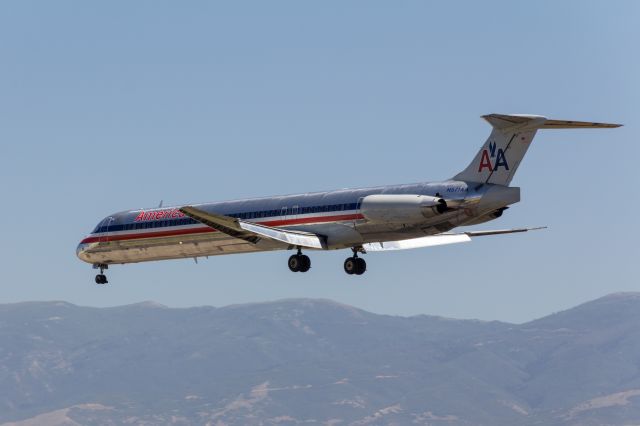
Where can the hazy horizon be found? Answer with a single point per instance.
(152, 303)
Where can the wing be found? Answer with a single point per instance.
(253, 232)
(438, 240)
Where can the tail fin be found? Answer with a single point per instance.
(500, 156)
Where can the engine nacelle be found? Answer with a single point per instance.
(401, 208)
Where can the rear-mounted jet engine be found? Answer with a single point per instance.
(401, 208)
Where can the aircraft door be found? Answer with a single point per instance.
(289, 213)
(358, 206)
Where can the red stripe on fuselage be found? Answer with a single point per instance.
(205, 229)
(158, 234)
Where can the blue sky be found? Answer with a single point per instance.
(106, 107)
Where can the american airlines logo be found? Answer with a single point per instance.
(488, 155)
(157, 215)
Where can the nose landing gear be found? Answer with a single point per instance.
(355, 265)
(101, 278)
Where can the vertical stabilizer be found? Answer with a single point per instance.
(502, 153)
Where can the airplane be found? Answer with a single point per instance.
(393, 217)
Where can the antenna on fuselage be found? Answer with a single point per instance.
(160, 205)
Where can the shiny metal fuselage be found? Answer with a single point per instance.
(165, 233)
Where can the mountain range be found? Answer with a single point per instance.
(308, 361)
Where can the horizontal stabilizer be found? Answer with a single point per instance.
(252, 232)
(440, 239)
(566, 124)
(521, 121)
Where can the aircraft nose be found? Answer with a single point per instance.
(81, 252)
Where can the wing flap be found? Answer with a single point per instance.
(295, 238)
(253, 232)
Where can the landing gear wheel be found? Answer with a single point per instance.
(355, 265)
(305, 263)
(295, 263)
(101, 279)
(350, 265)
(299, 263)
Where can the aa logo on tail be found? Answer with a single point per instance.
(488, 154)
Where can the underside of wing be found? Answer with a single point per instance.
(432, 240)
(253, 232)
(438, 240)
(295, 238)
(501, 231)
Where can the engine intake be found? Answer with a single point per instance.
(401, 208)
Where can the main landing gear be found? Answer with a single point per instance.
(299, 262)
(101, 278)
(354, 264)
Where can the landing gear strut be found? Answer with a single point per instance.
(299, 262)
(101, 278)
(355, 265)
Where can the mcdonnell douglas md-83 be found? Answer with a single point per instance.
(381, 218)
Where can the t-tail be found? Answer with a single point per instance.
(502, 153)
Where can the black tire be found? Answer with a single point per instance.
(294, 263)
(361, 266)
(305, 263)
(98, 279)
(350, 265)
